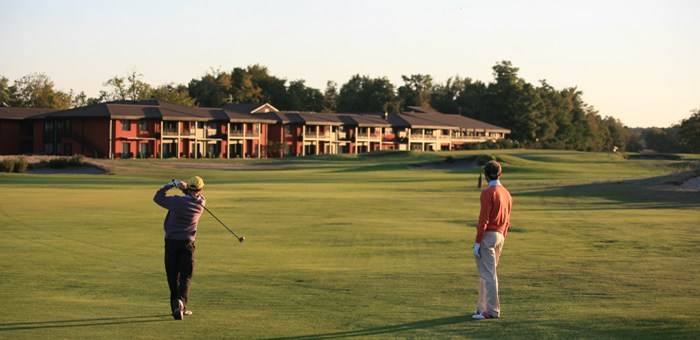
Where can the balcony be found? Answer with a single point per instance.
(187, 132)
(423, 137)
(169, 132)
(314, 135)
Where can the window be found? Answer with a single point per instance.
(200, 125)
(144, 150)
(170, 127)
(48, 148)
(126, 150)
(48, 127)
(67, 128)
(126, 125)
(143, 125)
(67, 149)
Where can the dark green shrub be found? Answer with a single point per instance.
(66, 162)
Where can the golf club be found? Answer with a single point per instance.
(240, 238)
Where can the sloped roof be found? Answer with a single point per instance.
(265, 113)
(443, 120)
(367, 119)
(310, 118)
(154, 109)
(19, 113)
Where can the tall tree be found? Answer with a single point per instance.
(131, 87)
(37, 90)
(273, 89)
(365, 94)
(444, 97)
(243, 89)
(300, 97)
(5, 98)
(514, 103)
(330, 97)
(212, 90)
(689, 132)
(171, 93)
(415, 91)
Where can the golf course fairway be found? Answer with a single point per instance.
(370, 246)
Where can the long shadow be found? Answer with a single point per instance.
(649, 193)
(384, 329)
(14, 326)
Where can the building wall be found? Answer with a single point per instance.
(9, 136)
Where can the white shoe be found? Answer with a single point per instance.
(481, 316)
(179, 311)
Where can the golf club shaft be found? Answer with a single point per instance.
(222, 223)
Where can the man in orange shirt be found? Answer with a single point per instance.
(491, 231)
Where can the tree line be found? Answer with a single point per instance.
(539, 115)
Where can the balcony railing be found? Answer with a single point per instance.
(187, 132)
(315, 135)
(170, 132)
(419, 136)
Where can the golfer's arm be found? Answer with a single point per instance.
(162, 200)
(483, 218)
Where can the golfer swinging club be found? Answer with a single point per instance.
(180, 227)
(491, 231)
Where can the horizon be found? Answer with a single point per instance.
(607, 50)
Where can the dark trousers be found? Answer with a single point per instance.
(179, 264)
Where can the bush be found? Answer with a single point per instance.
(7, 165)
(21, 164)
(66, 162)
(489, 145)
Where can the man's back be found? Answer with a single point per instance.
(183, 214)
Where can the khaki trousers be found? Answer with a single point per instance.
(490, 251)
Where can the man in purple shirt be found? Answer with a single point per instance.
(180, 228)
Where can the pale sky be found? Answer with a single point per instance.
(638, 61)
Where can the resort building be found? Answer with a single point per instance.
(155, 129)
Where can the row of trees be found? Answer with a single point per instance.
(538, 115)
(681, 137)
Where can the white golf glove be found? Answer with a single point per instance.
(174, 183)
(476, 250)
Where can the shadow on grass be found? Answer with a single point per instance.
(661, 192)
(385, 329)
(16, 326)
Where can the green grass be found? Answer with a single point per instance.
(356, 246)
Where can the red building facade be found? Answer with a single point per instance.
(154, 129)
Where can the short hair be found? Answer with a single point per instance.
(493, 170)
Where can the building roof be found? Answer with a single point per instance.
(19, 113)
(259, 113)
(367, 119)
(155, 109)
(439, 120)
